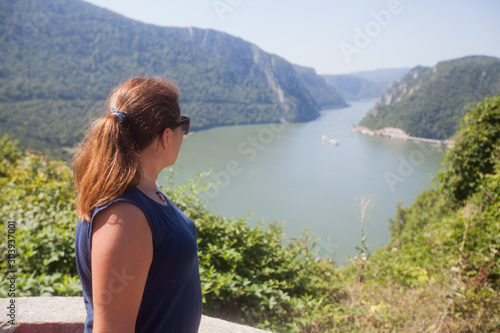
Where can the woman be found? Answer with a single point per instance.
(136, 251)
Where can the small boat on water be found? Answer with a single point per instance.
(330, 140)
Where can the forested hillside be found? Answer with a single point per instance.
(440, 272)
(429, 102)
(60, 59)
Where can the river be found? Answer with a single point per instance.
(287, 173)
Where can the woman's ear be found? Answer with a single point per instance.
(165, 138)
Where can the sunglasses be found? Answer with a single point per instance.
(183, 124)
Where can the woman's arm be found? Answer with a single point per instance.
(122, 251)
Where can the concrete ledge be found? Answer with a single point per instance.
(67, 315)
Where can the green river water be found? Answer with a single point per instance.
(288, 173)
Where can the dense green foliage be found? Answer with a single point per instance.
(476, 154)
(61, 58)
(429, 102)
(38, 195)
(440, 273)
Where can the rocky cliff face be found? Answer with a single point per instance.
(403, 87)
(298, 91)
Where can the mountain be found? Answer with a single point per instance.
(364, 85)
(382, 74)
(429, 102)
(60, 59)
(355, 88)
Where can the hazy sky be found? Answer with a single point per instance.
(335, 36)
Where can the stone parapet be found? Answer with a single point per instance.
(67, 315)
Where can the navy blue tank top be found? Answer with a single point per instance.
(172, 300)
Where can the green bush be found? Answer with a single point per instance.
(476, 151)
(37, 193)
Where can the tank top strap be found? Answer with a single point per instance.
(144, 203)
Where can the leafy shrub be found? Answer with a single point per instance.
(476, 152)
(37, 194)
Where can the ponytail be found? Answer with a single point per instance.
(107, 161)
(104, 167)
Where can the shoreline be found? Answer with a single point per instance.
(399, 134)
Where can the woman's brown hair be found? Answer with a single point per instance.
(106, 163)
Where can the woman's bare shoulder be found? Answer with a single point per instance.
(122, 226)
(121, 213)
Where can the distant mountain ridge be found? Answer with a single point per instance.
(354, 88)
(366, 84)
(382, 74)
(61, 59)
(429, 102)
